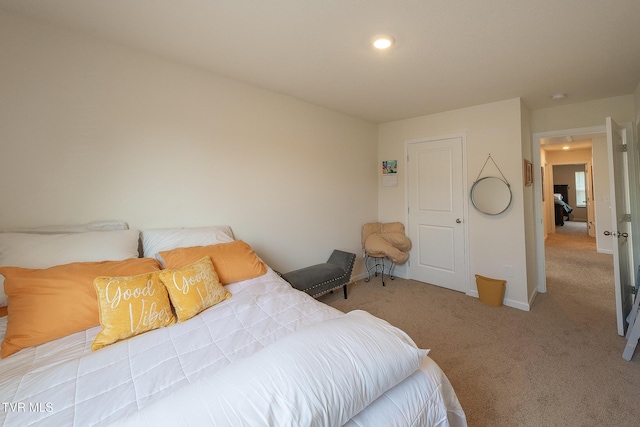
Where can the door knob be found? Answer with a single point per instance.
(458, 221)
(607, 233)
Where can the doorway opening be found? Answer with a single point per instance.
(618, 230)
(585, 146)
(570, 224)
(573, 196)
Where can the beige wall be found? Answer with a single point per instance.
(637, 108)
(529, 207)
(494, 129)
(584, 114)
(91, 130)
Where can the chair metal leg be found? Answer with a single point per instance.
(378, 265)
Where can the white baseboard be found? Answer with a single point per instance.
(508, 302)
(473, 293)
(358, 277)
(364, 275)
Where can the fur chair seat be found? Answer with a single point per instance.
(386, 240)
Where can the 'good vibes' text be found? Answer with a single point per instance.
(143, 311)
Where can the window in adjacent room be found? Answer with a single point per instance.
(581, 190)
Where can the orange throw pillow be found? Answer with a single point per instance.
(46, 304)
(232, 261)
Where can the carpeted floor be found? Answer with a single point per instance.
(558, 365)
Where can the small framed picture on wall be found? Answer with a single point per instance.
(528, 173)
(390, 173)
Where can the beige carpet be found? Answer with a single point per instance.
(558, 365)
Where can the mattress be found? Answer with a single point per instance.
(63, 382)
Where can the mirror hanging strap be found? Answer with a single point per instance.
(496, 165)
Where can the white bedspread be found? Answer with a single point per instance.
(64, 383)
(321, 375)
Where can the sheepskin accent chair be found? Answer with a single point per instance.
(384, 245)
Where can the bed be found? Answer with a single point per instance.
(262, 354)
(562, 209)
(560, 198)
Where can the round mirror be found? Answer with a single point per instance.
(491, 195)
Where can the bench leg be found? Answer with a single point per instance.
(345, 291)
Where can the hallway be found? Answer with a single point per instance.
(573, 266)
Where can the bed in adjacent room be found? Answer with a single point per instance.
(195, 331)
(561, 205)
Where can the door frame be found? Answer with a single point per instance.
(538, 216)
(465, 198)
(591, 196)
(634, 198)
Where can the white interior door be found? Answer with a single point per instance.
(436, 206)
(620, 221)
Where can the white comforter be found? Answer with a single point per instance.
(64, 383)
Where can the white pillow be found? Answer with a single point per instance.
(47, 250)
(157, 240)
(323, 374)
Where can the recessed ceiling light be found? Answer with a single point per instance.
(558, 96)
(383, 42)
(566, 147)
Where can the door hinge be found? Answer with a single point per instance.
(624, 148)
(634, 290)
(626, 217)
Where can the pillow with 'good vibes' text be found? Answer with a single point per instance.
(194, 288)
(129, 306)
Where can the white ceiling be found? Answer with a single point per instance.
(574, 142)
(448, 53)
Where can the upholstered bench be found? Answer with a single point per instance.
(319, 279)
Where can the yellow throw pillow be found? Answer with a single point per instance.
(194, 288)
(129, 306)
(46, 304)
(233, 261)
